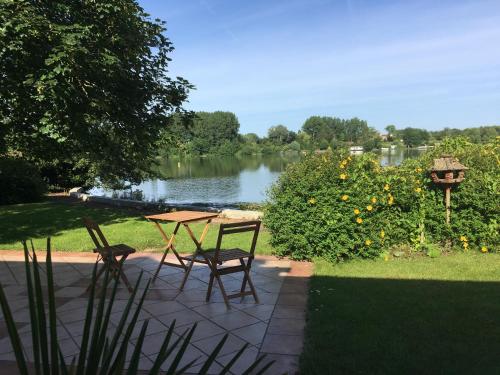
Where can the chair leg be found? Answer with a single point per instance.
(186, 274)
(122, 274)
(210, 284)
(246, 270)
(221, 286)
(98, 275)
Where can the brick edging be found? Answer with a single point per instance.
(284, 338)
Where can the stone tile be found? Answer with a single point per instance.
(144, 363)
(7, 357)
(261, 311)
(13, 291)
(286, 326)
(211, 309)
(291, 312)
(182, 317)
(254, 334)
(162, 308)
(214, 368)
(193, 296)
(116, 317)
(282, 344)
(284, 364)
(5, 345)
(292, 299)
(242, 363)
(74, 315)
(231, 345)
(162, 295)
(203, 330)
(152, 343)
(234, 319)
(73, 304)
(191, 354)
(154, 327)
(71, 291)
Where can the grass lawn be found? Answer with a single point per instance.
(63, 222)
(419, 316)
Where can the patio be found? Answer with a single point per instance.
(273, 327)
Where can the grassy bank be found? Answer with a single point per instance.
(421, 316)
(63, 222)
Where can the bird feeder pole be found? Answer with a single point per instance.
(447, 172)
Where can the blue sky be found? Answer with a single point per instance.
(427, 64)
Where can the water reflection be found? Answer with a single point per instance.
(397, 155)
(218, 180)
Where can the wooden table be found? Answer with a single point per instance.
(184, 218)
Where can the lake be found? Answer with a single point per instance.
(225, 181)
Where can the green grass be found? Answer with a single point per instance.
(419, 316)
(63, 222)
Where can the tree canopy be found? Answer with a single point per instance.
(84, 88)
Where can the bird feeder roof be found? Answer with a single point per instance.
(447, 163)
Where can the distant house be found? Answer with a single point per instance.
(385, 137)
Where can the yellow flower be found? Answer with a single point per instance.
(390, 201)
(343, 176)
(484, 249)
(418, 190)
(359, 220)
(344, 197)
(369, 207)
(374, 200)
(418, 170)
(386, 187)
(382, 234)
(368, 242)
(463, 238)
(312, 201)
(356, 211)
(465, 245)
(342, 166)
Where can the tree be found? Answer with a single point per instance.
(84, 89)
(315, 126)
(391, 132)
(251, 138)
(279, 135)
(211, 130)
(413, 137)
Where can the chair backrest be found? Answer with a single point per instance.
(239, 227)
(95, 233)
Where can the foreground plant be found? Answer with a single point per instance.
(99, 354)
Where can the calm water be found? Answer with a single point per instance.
(225, 181)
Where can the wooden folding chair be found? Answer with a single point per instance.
(216, 257)
(109, 254)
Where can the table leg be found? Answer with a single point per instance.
(170, 245)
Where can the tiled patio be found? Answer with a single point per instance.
(275, 326)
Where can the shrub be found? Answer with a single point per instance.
(20, 182)
(339, 206)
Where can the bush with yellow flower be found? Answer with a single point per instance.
(329, 205)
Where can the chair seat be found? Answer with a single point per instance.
(117, 250)
(229, 254)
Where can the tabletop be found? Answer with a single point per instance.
(183, 216)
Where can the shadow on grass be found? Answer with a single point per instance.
(49, 218)
(384, 326)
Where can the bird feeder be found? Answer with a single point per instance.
(447, 172)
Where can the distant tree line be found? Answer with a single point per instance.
(414, 137)
(217, 133)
